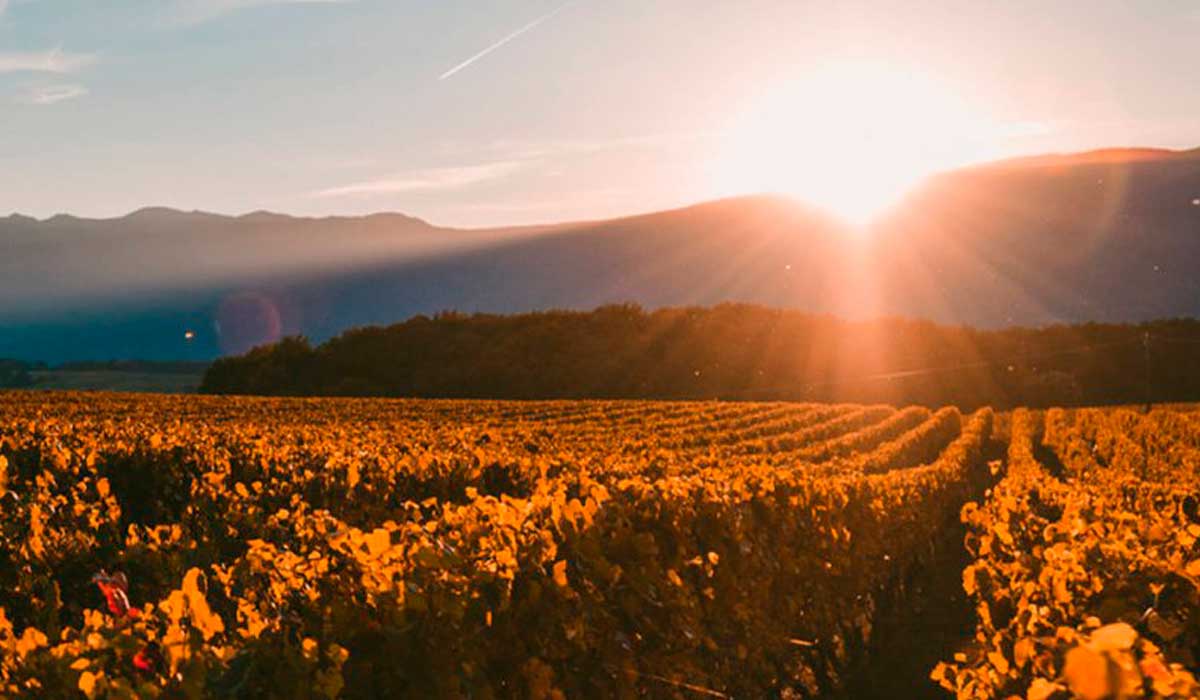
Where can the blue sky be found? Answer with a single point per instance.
(599, 108)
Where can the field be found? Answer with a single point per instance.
(197, 546)
(117, 380)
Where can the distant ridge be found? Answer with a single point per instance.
(1110, 235)
(1108, 156)
(169, 215)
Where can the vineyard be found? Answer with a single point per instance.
(232, 547)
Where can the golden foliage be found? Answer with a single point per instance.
(280, 548)
(1098, 598)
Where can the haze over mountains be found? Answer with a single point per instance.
(1109, 235)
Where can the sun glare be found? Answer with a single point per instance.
(850, 138)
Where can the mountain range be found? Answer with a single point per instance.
(1109, 235)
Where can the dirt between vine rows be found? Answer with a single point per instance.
(929, 623)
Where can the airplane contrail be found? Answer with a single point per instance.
(505, 40)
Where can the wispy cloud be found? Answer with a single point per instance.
(431, 179)
(503, 157)
(189, 12)
(600, 197)
(552, 148)
(3, 7)
(1020, 129)
(528, 27)
(50, 94)
(53, 61)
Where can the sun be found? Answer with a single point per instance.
(848, 137)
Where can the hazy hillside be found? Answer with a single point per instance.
(1111, 235)
(1104, 236)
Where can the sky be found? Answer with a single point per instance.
(497, 112)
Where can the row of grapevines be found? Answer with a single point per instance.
(804, 437)
(1085, 585)
(916, 446)
(865, 438)
(757, 426)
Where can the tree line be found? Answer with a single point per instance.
(15, 374)
(730, 351)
